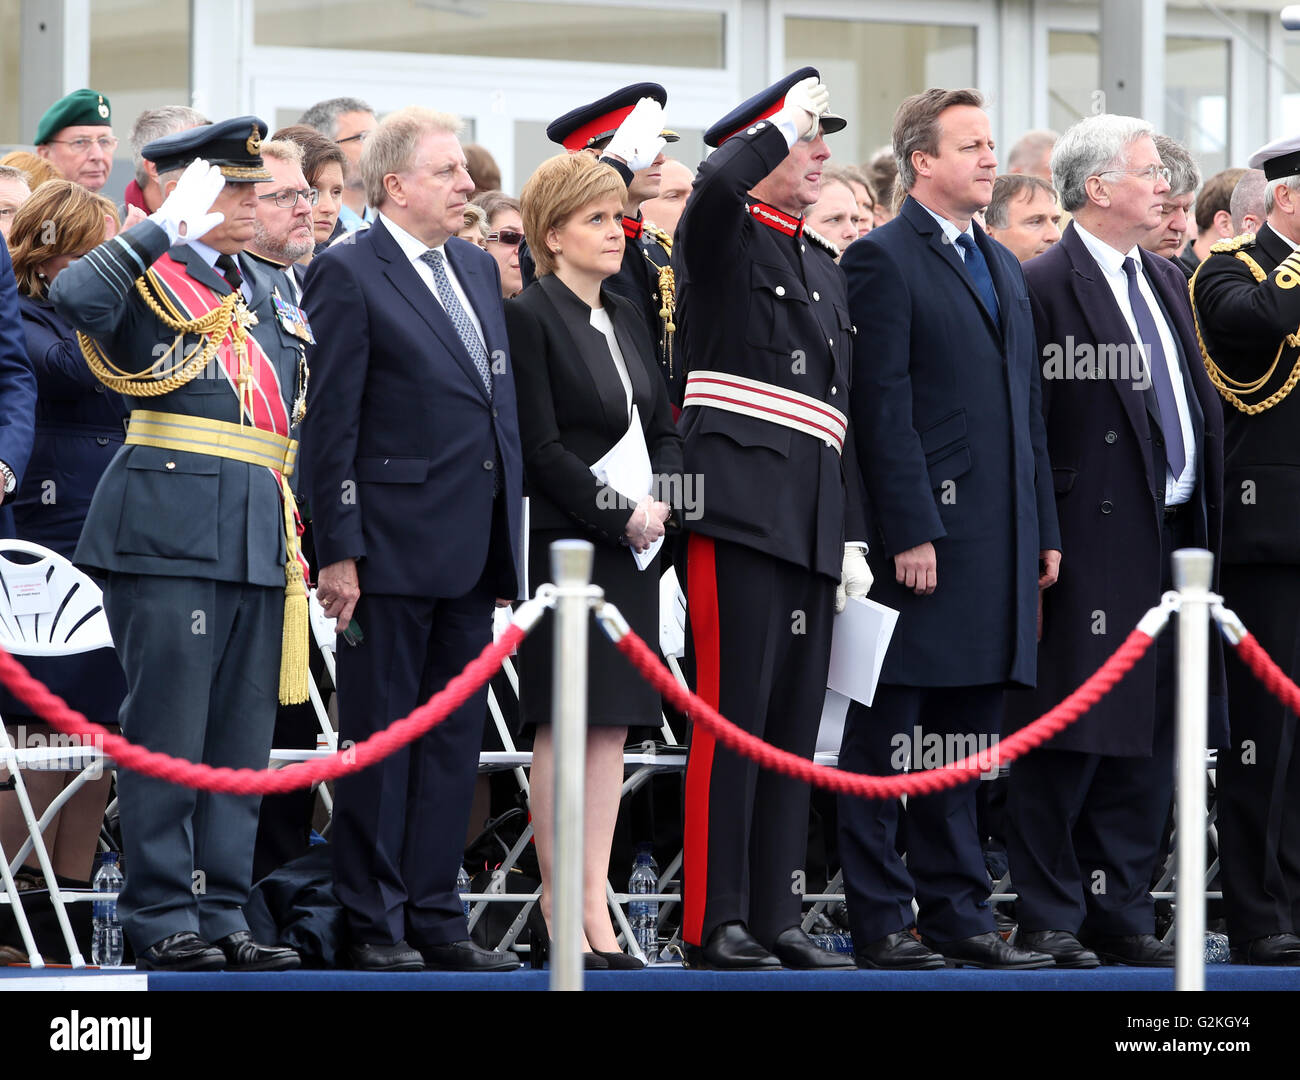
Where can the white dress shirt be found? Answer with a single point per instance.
(1178, 489)
(413, 249)
(950, 231)
(601, 321)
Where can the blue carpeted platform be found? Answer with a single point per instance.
(665, 978)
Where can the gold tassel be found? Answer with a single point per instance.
(294, 651)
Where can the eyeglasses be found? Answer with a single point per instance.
(1148, 174)
(107, 143)
(507, 236)
(288, 198)
(360, 136)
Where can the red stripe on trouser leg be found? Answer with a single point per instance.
(702, 606)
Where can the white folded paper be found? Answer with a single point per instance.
(859, 641)
(672, 615)
(625, 467)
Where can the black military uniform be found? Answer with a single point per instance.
(1246, 297)
(646, 276)
(765, 337)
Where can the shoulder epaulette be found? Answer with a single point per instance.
(820, 241)
(1226, 247)
(656, 234)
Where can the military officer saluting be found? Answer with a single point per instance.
(767, 344)
(626, 130)
(1246, 298)
(193, 528)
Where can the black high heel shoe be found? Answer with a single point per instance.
(539, 952)
(619, 961)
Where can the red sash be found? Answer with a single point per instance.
(264, 407)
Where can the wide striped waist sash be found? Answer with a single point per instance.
(219, 438)
(764, 401)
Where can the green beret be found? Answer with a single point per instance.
(81, 108)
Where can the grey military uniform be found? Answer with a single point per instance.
(193, 551)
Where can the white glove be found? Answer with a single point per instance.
(185, 212)
(638, 140)
(804, 103)
(855, 577)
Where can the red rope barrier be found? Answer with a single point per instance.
(55, 711)
(1275, 680)
(889, 787)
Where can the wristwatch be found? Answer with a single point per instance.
(11, 481)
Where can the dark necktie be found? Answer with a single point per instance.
(230, 271)
(436, 261)
(1170, 424)
(980, 276)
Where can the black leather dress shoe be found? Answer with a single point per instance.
(796, 950)
(396, 957)
(619, 961)
(244, 954)
(466, 956)
(1061, 945)
(185, 951)
(1279, 950)
(731, 948)
(1135, 950)
(899, 951)
(989, 951)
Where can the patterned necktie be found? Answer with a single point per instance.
(980, 276)
(436, 261)
(1170, 424)
(230, 271)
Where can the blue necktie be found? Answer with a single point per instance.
(435, 260)
(1170, 424)
(980, 276)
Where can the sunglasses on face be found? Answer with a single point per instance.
(507, 236)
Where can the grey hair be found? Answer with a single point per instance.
(1270, 199)
(916, 127)
(1011, 186)
(283, 150)
(154, 124)
(9, 172)
(1248, 197)
(391, 146)
(1029, 148)
(324, 115)
(1090, 147)
(1184, 176)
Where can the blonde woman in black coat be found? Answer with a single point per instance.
(582, 359)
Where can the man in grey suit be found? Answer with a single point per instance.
(200, 566)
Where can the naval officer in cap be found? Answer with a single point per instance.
(193, 528)
(764, 333)
(1246, 300)
(76, 135)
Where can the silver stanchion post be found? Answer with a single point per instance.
(1193, 572)
(571, 570)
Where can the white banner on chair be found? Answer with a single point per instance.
(29, 592)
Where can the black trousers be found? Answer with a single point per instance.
(1259, 775)
(945, 865)
(760, 634)
(399, 826)
(1084, 831)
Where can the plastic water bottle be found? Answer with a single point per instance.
(1216, 948)
(106, 942)
(644, 914)
(462, 887)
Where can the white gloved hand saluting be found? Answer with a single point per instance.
(804, 104)
(855, 577)
(638, 139)
(185, 213)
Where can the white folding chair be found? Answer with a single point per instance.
(47, 608)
